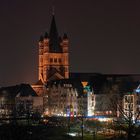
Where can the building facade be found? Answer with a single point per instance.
(53, 58)
(18, 101)
(53, 55)
(131, 106)
(62, 99)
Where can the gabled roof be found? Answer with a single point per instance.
(56, 76)
(26, 90)
(125, 82)
(39, 82)
(23, 90)
(74, 82)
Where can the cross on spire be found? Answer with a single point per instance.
(53, 10)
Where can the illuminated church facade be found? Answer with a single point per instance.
(59, 91)
(53, 55)
(53, 58)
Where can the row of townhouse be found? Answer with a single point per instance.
(18, 101)
(71, 98)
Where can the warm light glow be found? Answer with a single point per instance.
(84, 83)
(72, 134)
(90, 113)
(105, 119)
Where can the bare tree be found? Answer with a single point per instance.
(127, 112)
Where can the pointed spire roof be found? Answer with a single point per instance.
(41, 38)
(46, 35)
(60, 39)
(53, 29)
(65, 36)
(54, 38)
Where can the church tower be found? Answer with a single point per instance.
(53, 55)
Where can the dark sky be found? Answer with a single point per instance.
(104, 36)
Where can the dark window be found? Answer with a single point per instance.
(51, 60)
(126, 100)
(59, 60)
(55, 60)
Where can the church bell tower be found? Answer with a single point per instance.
(53, 55)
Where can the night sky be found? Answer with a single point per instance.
(104, 36)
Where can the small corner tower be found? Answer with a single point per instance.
(40, 67)
(53, 55)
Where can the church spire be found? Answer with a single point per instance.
(53, 28)
(54, 38)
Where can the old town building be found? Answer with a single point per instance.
(19, 100)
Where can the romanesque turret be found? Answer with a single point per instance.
(46, 43)
(65, 46)
(40, 68)
(65, 43)
(45, 56)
